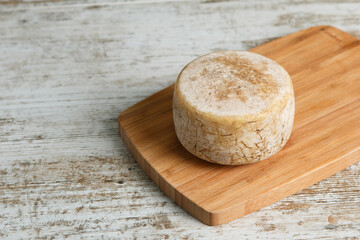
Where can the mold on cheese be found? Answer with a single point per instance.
(233, 107)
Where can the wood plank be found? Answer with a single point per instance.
(325, 139)
(63, 81)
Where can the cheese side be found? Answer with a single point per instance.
(233, 107)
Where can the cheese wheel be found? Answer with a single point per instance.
(233, 107)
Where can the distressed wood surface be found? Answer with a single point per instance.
(67, 69)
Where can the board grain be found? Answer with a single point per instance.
(324, 63)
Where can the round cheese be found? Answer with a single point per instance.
(233, 107)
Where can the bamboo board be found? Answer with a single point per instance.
(324, 64)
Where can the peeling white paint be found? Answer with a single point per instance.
(67, 69)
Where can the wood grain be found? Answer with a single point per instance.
(67, 68)
(324, 65)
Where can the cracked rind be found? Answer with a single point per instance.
(235, 139)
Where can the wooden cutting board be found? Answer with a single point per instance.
(324, 64)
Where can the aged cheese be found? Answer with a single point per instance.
(233, 107)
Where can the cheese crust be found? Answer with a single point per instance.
(233, 107)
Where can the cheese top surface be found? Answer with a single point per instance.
(233, 83)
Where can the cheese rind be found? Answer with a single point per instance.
(233, 107)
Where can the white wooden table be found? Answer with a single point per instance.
(68, 68)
